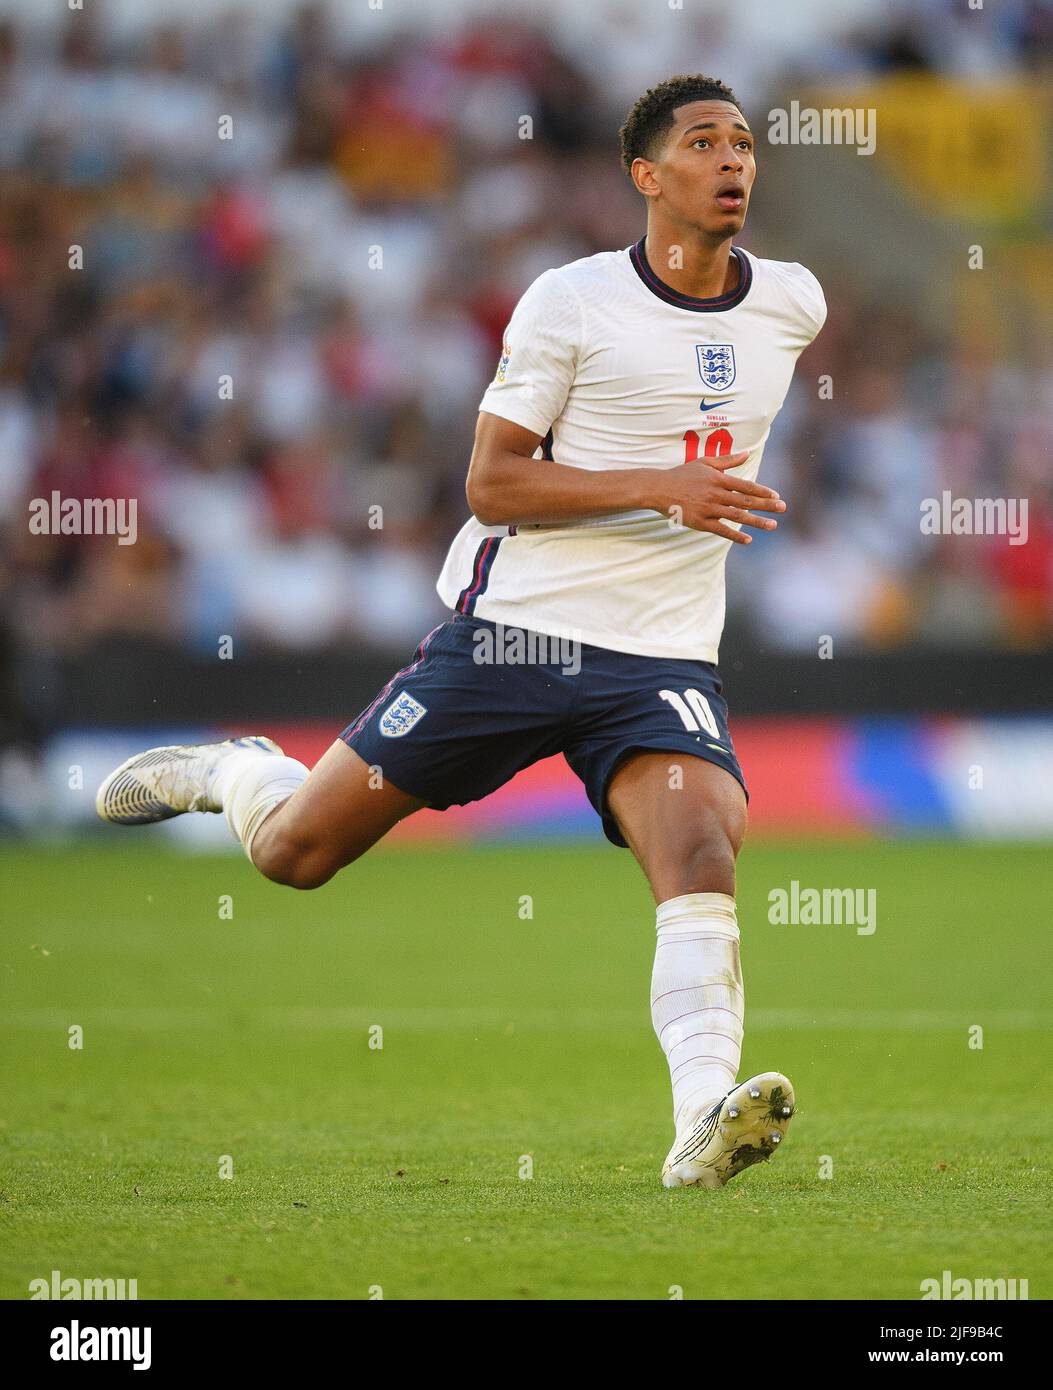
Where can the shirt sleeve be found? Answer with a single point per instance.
(812, 303)
(539, 357)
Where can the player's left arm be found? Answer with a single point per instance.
(805, 300)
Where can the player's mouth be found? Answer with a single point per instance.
(731, 196)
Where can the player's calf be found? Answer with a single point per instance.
(297, 827)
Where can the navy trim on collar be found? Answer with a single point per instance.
(718, 304)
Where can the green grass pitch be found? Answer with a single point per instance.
(508, 1042)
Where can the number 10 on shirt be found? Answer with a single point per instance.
(718, 445)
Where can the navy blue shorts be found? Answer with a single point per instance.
(480, 702)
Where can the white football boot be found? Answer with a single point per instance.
(166, 782)
(745, 1127)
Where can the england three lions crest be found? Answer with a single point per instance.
(716, 365)
(400, 716)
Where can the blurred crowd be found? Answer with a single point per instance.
(298, 255)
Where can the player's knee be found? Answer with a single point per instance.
(302, 874)
(708, 866)
(292, 862)
(294, 873)
(707, 854)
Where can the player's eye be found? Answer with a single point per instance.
(701, 140)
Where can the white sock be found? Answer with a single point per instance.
(249, 785)
(697, 999)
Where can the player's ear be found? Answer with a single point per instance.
(644, 177)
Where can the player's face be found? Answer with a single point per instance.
(706, 169)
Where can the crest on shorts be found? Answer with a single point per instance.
(716, 364)
(401, 715)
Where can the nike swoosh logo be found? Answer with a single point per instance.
(711, 405)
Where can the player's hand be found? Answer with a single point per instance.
(701, 495)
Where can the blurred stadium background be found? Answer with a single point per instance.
(356, 387)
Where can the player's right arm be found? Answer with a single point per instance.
(507, 486)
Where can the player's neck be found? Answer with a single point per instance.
(689, 264)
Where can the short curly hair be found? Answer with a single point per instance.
(651, 117)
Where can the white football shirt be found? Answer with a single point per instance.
(621, 371)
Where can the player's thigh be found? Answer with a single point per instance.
(339, 811)
(683, 817)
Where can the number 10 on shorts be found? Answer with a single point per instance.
(693, 709)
